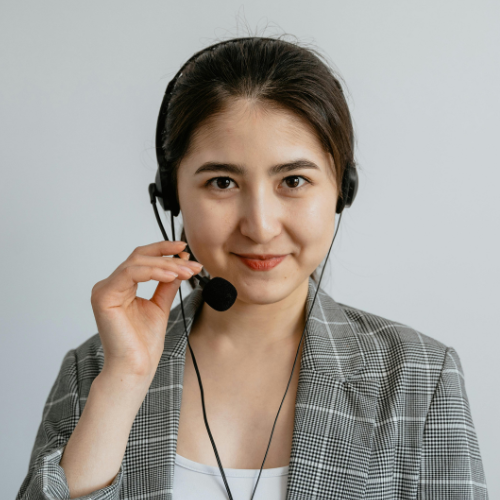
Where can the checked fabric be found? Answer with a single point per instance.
(381, 413)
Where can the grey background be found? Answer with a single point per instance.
(81, 85)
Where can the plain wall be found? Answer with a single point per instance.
(81, 84)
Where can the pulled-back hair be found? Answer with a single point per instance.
(269, 70)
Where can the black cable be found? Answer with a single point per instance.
(205, 419)
(296, 357)
(219, 463)
(157, 215)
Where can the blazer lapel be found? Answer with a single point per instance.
(335, 408)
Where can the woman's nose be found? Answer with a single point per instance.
(261, 215)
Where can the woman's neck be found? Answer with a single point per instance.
(254, 325)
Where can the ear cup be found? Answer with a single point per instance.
(349, 188)
(159, 191)
(166, 192)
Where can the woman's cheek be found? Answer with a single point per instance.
(316, 233)
(207, 235)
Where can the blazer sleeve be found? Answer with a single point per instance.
(46, 479)
(451, 465)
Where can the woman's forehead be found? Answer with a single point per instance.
(246, 124)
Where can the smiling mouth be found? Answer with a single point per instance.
(261, 262)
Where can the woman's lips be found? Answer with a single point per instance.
(261, 264)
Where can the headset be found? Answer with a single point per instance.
(217, 292)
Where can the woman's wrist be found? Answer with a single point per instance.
(122, 389)
(95, 449)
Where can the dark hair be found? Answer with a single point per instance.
(269, 70)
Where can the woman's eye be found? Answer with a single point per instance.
(221, 183)
(293, 181)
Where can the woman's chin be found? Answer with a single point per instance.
(263, 289)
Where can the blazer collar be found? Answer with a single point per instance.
(331, 341)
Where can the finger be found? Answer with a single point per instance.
(132, 275)
(173, 264)
(164, 295)
(184, 255)
(161, 248)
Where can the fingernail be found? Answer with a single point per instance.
(187, 269)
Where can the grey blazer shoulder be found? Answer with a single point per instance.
(381, 413)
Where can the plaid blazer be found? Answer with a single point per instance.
(381, 413)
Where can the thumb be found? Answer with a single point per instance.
(165, 292)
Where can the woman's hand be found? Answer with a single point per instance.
(132, 329)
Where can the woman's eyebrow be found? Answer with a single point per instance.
(233, 168)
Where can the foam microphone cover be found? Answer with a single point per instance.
(219, 294)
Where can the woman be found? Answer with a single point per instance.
(255, 151)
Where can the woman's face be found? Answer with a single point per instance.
(257, 181)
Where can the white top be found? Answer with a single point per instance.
(194, 481)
